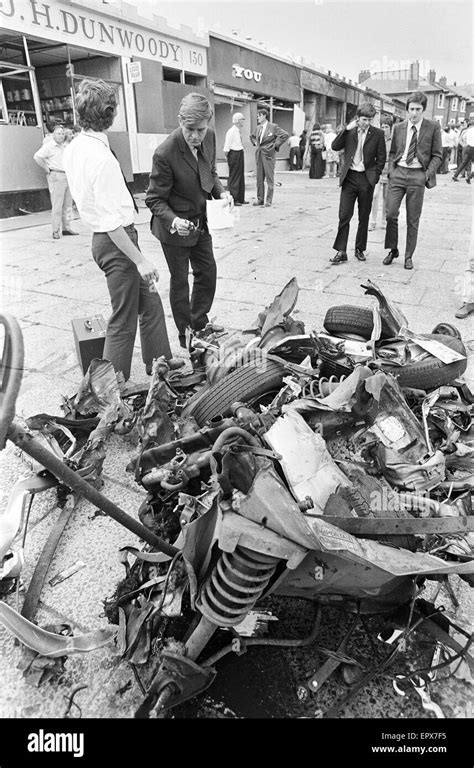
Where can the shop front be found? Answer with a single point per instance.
(242, 77)
(47, 48)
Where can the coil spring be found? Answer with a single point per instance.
(323, 386)
(235, 585)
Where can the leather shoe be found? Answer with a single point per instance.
(464, 311)
(56, 235)
(391, 255)
(244, 202)
(237, 204)
(69, 232)
(455, 178)
(258, 202)
(339, 257)
(408, 263)
(360, 255)
(268, 205)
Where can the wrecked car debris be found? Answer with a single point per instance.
(308, 465)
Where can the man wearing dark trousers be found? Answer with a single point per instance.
(234, 152)
(267, 139)
(183, 177)
(105, 204)
(415, 155)
(364, 160)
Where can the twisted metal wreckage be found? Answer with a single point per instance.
(335, 466)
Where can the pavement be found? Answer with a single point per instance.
(46, 283)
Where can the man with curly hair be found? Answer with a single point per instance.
(106, 205)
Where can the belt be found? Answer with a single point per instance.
(56, 170)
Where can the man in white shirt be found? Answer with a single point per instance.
(106, 205)
(234, 152)
(468, 151)
(50, 158)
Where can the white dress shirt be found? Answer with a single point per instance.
(233, 140)
(263, 127)
(358, 161)
(96, 183)
(52, 154)
(403, 160)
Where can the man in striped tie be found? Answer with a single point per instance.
(415, 156)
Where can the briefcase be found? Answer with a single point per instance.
(89, 337)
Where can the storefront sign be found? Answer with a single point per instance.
(249, 74)
(64, 23)
(134, 71)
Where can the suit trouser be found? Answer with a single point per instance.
(409, 182)
(191, 312)
(265, 172)
(380, 190)
(131, 299)
(294, 158)
(355, 186)
(467, 159)
(236, 182)
(468, 283)
(61, 201)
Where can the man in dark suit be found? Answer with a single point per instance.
(182, 179)
(364, 159)
(415, 155)
(267, 139)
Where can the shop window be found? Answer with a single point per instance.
(17, 100)
(190, 79)
(171, 75)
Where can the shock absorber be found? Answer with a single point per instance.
(235, 584)
(326, 386)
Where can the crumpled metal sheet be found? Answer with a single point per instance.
(154, 424)
(49, 644)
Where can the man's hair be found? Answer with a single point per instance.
(386, 121)
(417, 98)
(194, 108)
(96, 103)
(366, 110)
(263, 108)
(316, 127)
(238, 116)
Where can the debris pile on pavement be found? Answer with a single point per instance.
(335, 466)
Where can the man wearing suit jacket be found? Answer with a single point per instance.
(267, 139)
(415, 156)
(364, 159)
(182, 179)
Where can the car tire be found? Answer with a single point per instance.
(345, 318)
(426, 374)
(244, 384)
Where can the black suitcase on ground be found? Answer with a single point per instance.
(89, 337)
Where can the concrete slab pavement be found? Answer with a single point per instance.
(46, 283)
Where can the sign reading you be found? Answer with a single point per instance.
(83, 27)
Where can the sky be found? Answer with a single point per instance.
(343, 36)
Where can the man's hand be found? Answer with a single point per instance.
(181, 226)
(352, 124)
(228, 199)
(148, 271)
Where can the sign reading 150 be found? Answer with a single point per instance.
(195, 58)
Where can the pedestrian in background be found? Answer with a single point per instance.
(467, 307)
(467, 140)
(234, 152)
(415, 156)
(447, 143)
(294, 158)
(364, 160)
(50, 157)
(267, 139)
(380, 190)
(316, 148)
(183, 178)
(106, 205)
(331, 156)
(303, 143)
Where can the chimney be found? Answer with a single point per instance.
(414, 78)
(432, 76)
(442, 81)
(364, 74)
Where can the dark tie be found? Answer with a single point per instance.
(126, 182)
(412, 148)
(205, 173)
